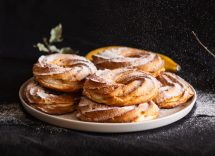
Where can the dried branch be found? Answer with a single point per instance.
(194, 34)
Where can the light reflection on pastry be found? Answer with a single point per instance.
(91, 111)
(48, 101)
(173, 92)
(119, 57)
(63, 72)
(120, 87)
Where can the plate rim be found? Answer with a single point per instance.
(183, 111)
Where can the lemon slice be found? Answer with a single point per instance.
(170, 65)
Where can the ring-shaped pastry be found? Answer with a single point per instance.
(119, 57)
(63, 72)
(120, 87)
(91, 111)
(48, 101)
(173, 92)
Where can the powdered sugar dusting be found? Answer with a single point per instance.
(89, 106)
(173, 86)
(61, 63)
(205, 104)
(112, 53)
(120, 55)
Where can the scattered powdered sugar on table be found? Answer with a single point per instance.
(205, 104)
(14, 114)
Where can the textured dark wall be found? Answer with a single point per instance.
(154, 25)
(163, 26)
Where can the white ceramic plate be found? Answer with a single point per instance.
(167, 116)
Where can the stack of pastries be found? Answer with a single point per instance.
(130, 85)
(58, 82)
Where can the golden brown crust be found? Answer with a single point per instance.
(129, 57)
(49, 101)
(63, 72)
(120, 87)
(173, 92)
(91, 111)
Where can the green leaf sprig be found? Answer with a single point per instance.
(55, 37)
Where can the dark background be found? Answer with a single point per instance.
(160, 26)
(156, 25)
